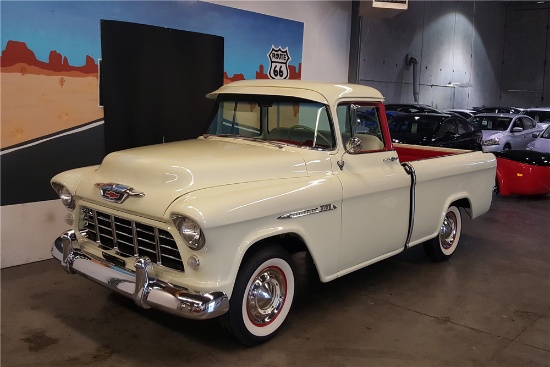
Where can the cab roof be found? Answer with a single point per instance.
(322, 92)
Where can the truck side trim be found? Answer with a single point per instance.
(301, 213)
(410, 171)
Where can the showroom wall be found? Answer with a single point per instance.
(468, 53)
(28, 229)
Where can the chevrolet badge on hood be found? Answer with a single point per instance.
(116, 193)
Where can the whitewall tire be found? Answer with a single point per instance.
(443, 246)
(262, 296)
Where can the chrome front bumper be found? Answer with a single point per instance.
(141, 286)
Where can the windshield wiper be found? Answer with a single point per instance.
(278, 144)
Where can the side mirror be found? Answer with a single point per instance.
(535, 135)
(517, 129)
(354, 145)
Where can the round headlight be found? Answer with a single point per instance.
(190, 231)
(64, 194)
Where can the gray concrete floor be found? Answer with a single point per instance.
(488, 306)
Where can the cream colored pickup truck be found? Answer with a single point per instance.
(207, 227)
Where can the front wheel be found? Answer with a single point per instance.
(262, 296)
(443, 246)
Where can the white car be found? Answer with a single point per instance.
(503, 131)
(539, 114)
(542, 141)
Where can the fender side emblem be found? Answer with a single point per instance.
(116, 193)
(301, 213)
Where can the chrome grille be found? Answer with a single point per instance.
(130, 238)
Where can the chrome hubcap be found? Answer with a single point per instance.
(266, 296)
(447, 232)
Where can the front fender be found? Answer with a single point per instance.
(235, 217)
(70, 179)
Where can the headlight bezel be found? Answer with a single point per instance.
(65, 195)
(190, 231)
(489, 142)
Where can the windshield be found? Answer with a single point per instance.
(274, 119)
(492, 122)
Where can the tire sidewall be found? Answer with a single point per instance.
(448, 252)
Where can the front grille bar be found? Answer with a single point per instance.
(157, 245)
(115, 241)
(135, 238)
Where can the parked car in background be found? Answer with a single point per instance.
(523, 172)
(438, 130)
(485, 109)
(541, 142)
(540, 114)
(504, 131)
(411, 108)
(367, 121)
(463, 113)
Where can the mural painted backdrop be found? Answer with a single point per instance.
(49, 66)
(50, 52)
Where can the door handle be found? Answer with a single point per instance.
(391, 159)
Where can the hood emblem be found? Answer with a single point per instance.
(117, 193)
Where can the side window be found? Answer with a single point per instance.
(484, 124)
(342, 113)
(527, 124)
(447, 128)
(361, 121)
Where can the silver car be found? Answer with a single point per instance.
(503, 131)
(542, 142)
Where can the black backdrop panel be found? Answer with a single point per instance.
(154, 81)
(26, 172)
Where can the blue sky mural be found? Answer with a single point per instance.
(72, 28)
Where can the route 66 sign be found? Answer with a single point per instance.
(278, 63)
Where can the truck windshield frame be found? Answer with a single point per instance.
(282, 119)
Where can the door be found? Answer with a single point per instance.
(447, 135)
(520, 139)
(375, 206)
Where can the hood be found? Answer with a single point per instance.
(167, 171)
(540, 145)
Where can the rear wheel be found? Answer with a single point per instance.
(262, 296)
(443, 246)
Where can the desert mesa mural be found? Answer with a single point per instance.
(50, 53)
(40, 98)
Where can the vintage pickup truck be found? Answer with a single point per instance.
(207, 227)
